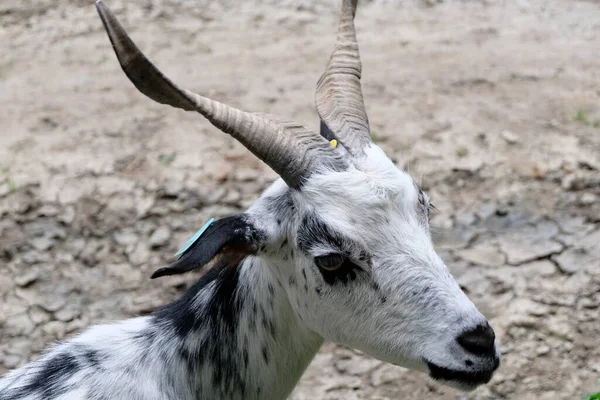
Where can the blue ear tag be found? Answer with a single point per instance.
(194, 238)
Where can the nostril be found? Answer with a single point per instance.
(479, 341)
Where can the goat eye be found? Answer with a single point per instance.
(330, 262)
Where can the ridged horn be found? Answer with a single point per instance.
(293, 151)
(339, 97)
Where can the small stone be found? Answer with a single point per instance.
(54, 329)
(509, 137)
(173, 189)
(486, 210)
(588, 199)
(27, 277)
(588, 303)
(18, 325)
(232, 198)
(521, 251)
(77, 324)
(387, 373)
(140, 255)
(111, 184)
(126, 237)
(42, 243)
(12, 361)
(212, 195)
(465, 218)
(246, 175)
(559, 328)
(160, 237)
(575, 259)
(51, 302)
(485, 254)
(541, 350)
(47, 210)
(525, 306)
(94, 251)
(38, 315)
(144, 205)
(129, 277)
(356, 365)
(68, 215)
(71, 311)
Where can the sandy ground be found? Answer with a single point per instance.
(495, 105)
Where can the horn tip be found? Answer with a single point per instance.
(159, 272)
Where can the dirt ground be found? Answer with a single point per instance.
(495, 105)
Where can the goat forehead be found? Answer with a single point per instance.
(374, 190)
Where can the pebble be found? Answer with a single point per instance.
(387, 373)
(173, 189)
(140, 255)
(38, 315)
(42, 243)
(12, 361)
(509, 137)
(543, 349)
(54, 329)
(486, 254)
(27, 277)
(588, 199)
(356, 364)
(572, 260)
(18, 325)
(521, 251)
(71, 311)
(160, 236)
(126, 237)
(51, 302)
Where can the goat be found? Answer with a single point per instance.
(339, 248)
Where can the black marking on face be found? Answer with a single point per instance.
(313, 232)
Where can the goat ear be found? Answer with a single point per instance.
(235, 234)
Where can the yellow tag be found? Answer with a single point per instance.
(333, 143)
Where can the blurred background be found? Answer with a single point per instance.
(493, 105)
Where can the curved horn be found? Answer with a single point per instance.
(339, 97)
(290, 149)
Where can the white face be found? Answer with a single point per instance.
(365, 274)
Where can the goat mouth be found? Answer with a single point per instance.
(466, 380)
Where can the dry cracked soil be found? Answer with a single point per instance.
(493, 104)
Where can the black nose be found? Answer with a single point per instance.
(479, 341)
